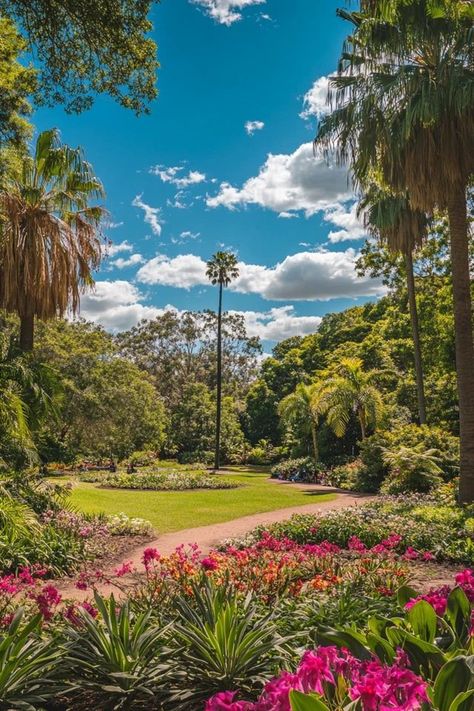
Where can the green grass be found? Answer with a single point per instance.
(176, 510)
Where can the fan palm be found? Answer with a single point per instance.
(221, 270)
(305, 402)
(405, 106)
(352, 391)
(49, 234)
(392, 219)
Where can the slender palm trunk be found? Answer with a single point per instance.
(27, 328)
(314, 435)
(219, 382)
(464, 337)
(363, 426)
(415, 327)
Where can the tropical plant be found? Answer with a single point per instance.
(352, 391)
(405, 107)
(392, 219)
(225, 644)
(118, 656)
(221, 270)
(411, 469)
(50, 239)
(306, 403)
(27, 665)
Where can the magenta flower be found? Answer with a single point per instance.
(224, 701)
(124, 569)
(150, 554)
(209, 563)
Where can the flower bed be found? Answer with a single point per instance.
(422, 523)
(162, 480)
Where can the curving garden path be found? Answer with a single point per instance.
(207, 537)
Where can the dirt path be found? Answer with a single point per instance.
(207, 537)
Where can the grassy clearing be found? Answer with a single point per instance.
(176, 510)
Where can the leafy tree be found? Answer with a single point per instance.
(261, 415)
(50, 237)
(392, 218)
(192, 422)
(86, 47)
(17, 82)
(221, 270)
(306, 402)
(405, 106)
(352, 391)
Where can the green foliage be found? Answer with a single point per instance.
(28, 664)
(302, 469)
(105, 48)
(164, 480)
(411, 469)
(17, 82)
(118, 657)
(224, 643)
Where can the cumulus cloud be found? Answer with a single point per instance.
(252, 126)
(116, 305)
(289, 182)
(131, 261)
(279, 323)
(110, 249)
(347, 219)
(315, 101)
(305, 276)
(152, 215)
(183, 271)
(173, 175)
(226, 12)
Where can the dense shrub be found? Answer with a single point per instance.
(198, 456)
(423, 437)
(164, 480)
(411, 469)
(346, 476)
(302, 469)
(264, 453)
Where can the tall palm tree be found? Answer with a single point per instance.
(306, 402)
(352, 391)
(221, 270)
(49, 234)
(392, 219)
(404, 102)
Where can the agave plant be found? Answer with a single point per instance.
(116, 659)
(224, 644)
(27, 664)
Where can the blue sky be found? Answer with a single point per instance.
(225, 161)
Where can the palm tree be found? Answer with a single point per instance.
(221, 270)
(352, 391)
(405, 106)
(49, 235)
(305, 402)
(401, 228)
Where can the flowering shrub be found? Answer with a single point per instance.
(422, 523)
(338, 677)
(123, 525)
(302, 469)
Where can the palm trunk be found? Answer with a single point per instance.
(363, 427)
(27, 327)
(415, 327)
(458, 226)
(219, 382)
(314, 435)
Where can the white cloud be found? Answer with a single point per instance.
(183, 271)
(116, 305)
(226, 12)
(172, 175)
(286, 183)
(305, 276)
(279, 323)
(108, 225)
(315, 101)
(131, 261)
(351, 226)
(186, 236)
(252, 126)
(152, 214)
(287, 215)
(110, 249)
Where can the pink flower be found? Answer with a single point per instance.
(47, 599)
(411, 554)
(224, 701)
(438, 599)
(355, 544)
(428, 556)
(465, 580)
(124, 569)
(276, 693)
(150, 554)
(209, 563)
(315, 669)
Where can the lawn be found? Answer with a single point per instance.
(176, 510)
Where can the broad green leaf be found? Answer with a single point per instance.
(306, 702)
(423, 620)
(454, 678)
